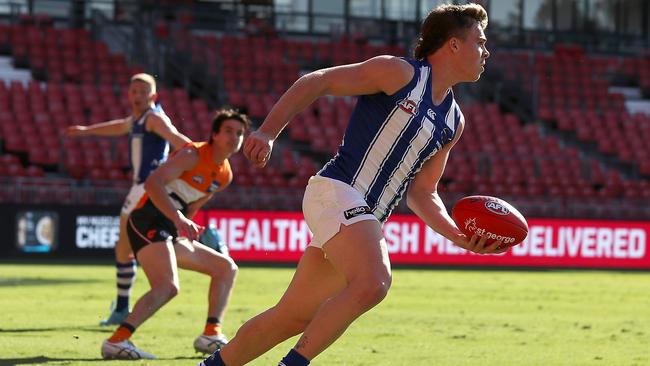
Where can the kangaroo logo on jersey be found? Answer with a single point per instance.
(446, 134)
(198, 179)
(408, 106)
(357, 211)
(497, 208)
(431, 113)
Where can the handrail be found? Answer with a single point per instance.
(238, 16)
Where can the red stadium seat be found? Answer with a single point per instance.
(15, 170)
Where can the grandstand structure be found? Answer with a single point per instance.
(558, 126)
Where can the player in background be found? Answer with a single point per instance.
(397, 142)
(162, 234)
(150, 133)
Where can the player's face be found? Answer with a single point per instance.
(140, 96)
(230, 135)
(473, 53)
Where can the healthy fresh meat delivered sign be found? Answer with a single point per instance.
(281, 237)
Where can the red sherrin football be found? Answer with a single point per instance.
(490, 216)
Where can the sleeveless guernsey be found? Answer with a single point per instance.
(389, 137)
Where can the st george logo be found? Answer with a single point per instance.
(431, 114)
(470, 224)
(408, 106)
(497, 208)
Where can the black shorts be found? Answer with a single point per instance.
(148, 225)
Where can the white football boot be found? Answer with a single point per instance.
(210, 344)
(124, 350)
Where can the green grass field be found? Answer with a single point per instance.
(49, 316)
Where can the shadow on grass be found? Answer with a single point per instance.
(31, 281)
(44, 359)
(40, 360)
(58, 329)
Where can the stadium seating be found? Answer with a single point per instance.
(77, 80)
(573, 96)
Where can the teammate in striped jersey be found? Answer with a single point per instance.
(397, 142)
(150, 133)
(163, 235)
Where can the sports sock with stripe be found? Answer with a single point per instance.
(123, 332)
(125, 275)
(212, 327)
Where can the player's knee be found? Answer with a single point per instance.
(234, 269)
(172, 290)
(224, 269)
(297, 325)
(371, 291)
(166, 291)
(230, 271)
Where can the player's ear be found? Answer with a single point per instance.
(454, 44)
(154, 97)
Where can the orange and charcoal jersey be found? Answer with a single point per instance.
(148, 224)
(204, 179)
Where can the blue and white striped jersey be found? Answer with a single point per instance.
(147, 149)
(389, 137)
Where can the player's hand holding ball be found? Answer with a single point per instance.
(481, 245)
(492, 224)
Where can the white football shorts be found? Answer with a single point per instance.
(327, 204)
(135, 193)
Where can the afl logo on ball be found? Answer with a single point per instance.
(497, 208)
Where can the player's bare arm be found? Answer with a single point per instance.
(195, 206)
(116, 127)
(423, 199)
(163, 126)
(184, 160)
(386, 74)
